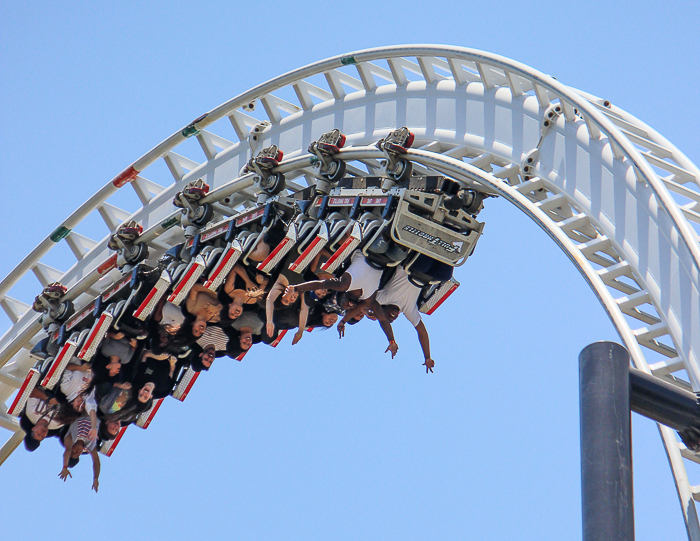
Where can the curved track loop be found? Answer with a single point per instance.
(620, 200)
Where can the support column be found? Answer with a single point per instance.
(606, 448)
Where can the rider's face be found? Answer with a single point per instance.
(114, 367)
(234, 311)
(146, 392)
(329, 319)
(198, 327)
(208, 357)
(40, 431)
(78, 403)
(289, 298)
(113, 427)
(246, 340)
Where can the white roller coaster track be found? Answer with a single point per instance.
(619, 199)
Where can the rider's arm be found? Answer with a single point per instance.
(230, 280)
(424, 339)
(313, 267)
(277, 289)
(386, 326)
(334, 284)
(95, 469)
(149, 354)
(383, 320)
(68, 442)
(303, 316)
(93, 424)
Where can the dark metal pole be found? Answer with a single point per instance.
(606, 448)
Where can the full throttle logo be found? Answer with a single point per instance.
(453, 248)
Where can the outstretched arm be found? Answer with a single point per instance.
(386, 325)
(335, 284)
(240, 271)
(424, 340)
(303, 316)
(230, 280)
(95, 469)
(65, 472)
(313, 267)
(277, 289)
(92, 435)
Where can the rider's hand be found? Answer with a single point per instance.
(298, 336)
(429, 364)
(393, 347)
(289, 290)
(256, 293)
(95, 484)
(65, 474)
(341, 329)
(270, 328)
(92, 435)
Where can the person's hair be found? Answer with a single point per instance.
(144, 406)
(279, 305)
(134, 406)
(66, 413)
(73, 461)
(181, 339)
(100, 373)
(197, 365)
(30, 444)
(315, 318)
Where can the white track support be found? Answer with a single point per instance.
(620, 200)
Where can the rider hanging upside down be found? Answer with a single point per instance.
(399, 295)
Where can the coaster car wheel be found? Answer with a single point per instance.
(66, 311)
(473, 202)
(401, 171)
(336, 171)
(203, 214)
(273, 184)
(138, 253)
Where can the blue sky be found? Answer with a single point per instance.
(329, 439)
